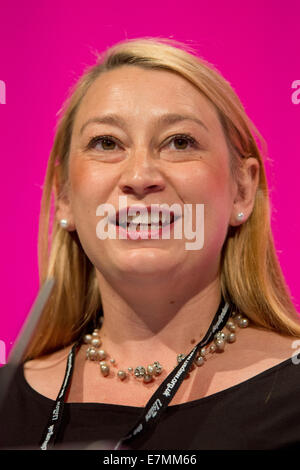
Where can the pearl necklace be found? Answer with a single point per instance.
(148, 373)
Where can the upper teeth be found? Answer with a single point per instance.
(145, 218)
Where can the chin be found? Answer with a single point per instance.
(146, 261)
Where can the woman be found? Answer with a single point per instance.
(152, 124)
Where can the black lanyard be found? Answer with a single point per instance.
(157, 403)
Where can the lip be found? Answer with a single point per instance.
(151, 233)
(153, 208)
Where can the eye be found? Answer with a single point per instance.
(107, 143)
(183, 142)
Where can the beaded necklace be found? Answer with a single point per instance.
(148, 373)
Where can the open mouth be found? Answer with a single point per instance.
(145, 222)
(141, 223)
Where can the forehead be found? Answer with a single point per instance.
(138, 93)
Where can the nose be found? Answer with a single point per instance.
(141, 176)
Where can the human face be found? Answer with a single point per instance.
(144, 162)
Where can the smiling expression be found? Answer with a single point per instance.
(152, 136)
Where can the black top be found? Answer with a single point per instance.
(262, 412)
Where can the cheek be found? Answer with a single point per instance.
(204, 184)
(211, 187)
(89, 188)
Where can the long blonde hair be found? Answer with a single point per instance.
(251, 277)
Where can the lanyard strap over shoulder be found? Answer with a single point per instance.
(157, 403)
(54, 422)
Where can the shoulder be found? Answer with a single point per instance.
(48, 360)
(3, 370)
(257, 353)
(262, 350)
(6, 372)
(45, 374)
(270, 344)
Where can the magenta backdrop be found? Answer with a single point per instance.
(45, 46)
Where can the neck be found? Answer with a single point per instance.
(141, 323)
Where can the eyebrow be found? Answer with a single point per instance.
(164, 119)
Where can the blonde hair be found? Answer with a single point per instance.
(251, 277)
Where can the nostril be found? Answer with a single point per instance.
(153, 187)
(127, 189)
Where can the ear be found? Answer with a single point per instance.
(63, 208)
(247, 184)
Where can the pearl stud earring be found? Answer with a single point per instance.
(240, 216)
(63, 223)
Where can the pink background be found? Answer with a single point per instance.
(44, 48)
